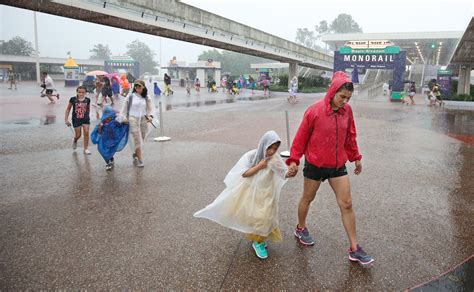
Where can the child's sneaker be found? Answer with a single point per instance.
(360, 256)
(87, 152)
(74, 144)
(260, 250)
(302, 234)
(140, 163)
(109, 166)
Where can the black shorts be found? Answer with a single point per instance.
(79, 122)
(320, 173)
(49, 91)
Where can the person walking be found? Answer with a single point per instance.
(80, 105)
(138, 110)
(327, 139)
(12, 79)
(249, 203)
(48, 85)
(293, 90)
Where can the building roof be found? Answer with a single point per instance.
(464, 51)
(70, 63)
(425, 47)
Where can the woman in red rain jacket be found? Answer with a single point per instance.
(327, 139)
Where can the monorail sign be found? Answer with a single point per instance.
(373, 55)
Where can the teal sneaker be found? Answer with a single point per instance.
(260, 250)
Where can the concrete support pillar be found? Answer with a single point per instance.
(467, 80)
(201, 74)
(217, 77)
(462, 79)
(182, 74)
(293, 71)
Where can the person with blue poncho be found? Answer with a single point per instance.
(110, 135)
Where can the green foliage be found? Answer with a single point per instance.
(17, 46)
(232, 62)
(462, 97)
(284, 88)
(306, 38)
(283, 80)
(101, 52)
(305, 82)
(344, 24)
(140, 52)
(454, 90)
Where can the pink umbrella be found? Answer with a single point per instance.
(96, 73)
(113, 75)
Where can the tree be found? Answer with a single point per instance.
(306, 38)
(322, 28)
(142, 53)
(101, 52)
(342, 24)
(345, 24)
(17, 46)
(235, 63)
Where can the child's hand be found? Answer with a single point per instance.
(290, 173)
(68, 123)
(125, 121)
(262, 164)
(358, 168)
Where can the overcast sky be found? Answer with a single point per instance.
(59, 35)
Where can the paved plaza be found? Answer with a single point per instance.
(69, 224)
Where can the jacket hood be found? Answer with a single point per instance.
(338, 79)
(266, 141)
(108, 113)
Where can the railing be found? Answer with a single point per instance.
(375, 90)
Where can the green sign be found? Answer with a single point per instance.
(445, 72)
(387, 50)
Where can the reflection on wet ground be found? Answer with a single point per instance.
(460, 278)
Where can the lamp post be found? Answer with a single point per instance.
(36, 49)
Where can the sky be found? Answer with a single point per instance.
(58, 35)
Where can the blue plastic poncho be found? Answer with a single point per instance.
(156, 89)
(114, 135)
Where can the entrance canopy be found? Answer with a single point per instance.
(464, 52)
(427, 47)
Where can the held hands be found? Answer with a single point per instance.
(68, 123)
(292, 170)
(358, 168)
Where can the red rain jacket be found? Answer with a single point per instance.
(327, 138)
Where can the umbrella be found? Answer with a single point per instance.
(355, 75)
(96, 72)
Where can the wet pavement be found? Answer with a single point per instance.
(69, 224)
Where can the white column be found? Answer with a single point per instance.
(200, 73)
(217, 77)
(36, 50)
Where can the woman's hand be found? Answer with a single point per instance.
(292, 170)
(68, 123)
(358, 168)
